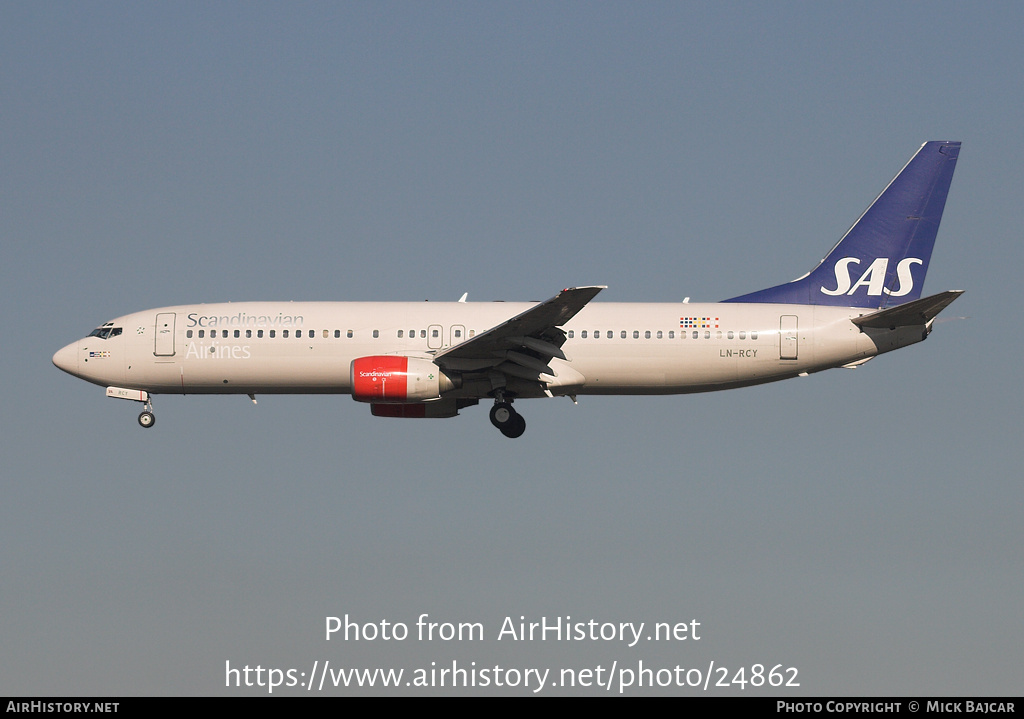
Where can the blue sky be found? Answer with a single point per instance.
(861, 526)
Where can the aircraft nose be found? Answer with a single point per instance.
(66, 358)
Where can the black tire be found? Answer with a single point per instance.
(501, 414)
(147, 420)
(515, 427)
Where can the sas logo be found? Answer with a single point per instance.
(98, 355)
(873, 277)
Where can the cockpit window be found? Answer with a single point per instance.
(105, 332)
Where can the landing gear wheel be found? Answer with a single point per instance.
(147, 419)
(515, 427)
(509, 422)
(501, 414)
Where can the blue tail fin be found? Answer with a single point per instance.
(882, 260)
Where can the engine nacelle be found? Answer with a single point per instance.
(397, 379)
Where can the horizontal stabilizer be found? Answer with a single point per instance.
(918, 312)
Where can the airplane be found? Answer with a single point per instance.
(433, 359)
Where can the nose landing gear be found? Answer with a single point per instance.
(147, 419)
(509, 422)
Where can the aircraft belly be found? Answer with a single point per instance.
(673, 368)
(157, 377)
(273, 374)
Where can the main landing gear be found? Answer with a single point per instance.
(509, 422)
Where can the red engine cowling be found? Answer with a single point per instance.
(397, 379)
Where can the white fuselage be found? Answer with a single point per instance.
(612, 348)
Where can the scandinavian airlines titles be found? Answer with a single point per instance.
(245, 320)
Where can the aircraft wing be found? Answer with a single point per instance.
(524, 346)
(918, 312)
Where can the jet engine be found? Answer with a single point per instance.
(397, 379)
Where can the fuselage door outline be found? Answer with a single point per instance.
(163, 342)
(435, 337)
(788, 337)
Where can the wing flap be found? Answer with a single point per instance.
(534, 324)
(524, 346)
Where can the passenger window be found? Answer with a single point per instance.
(248, 334)
(188, 334)
(259, 334)
(730, 335)
(636, 334)
(201, 333)
(718, 335)
(400, 333)
(423, 334)
(376, 334)
(707, 334)
(273, 333)
(337, 334)
(671, 334)
(743, 335)
(696, 334)
(583, 334)
(571, 333)
(610, 334)
(434, 333)
(349, 334)
(458, 334)
(238, 333)
(753, 335)
(647, 335)
(623, 334)
(659, 334)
